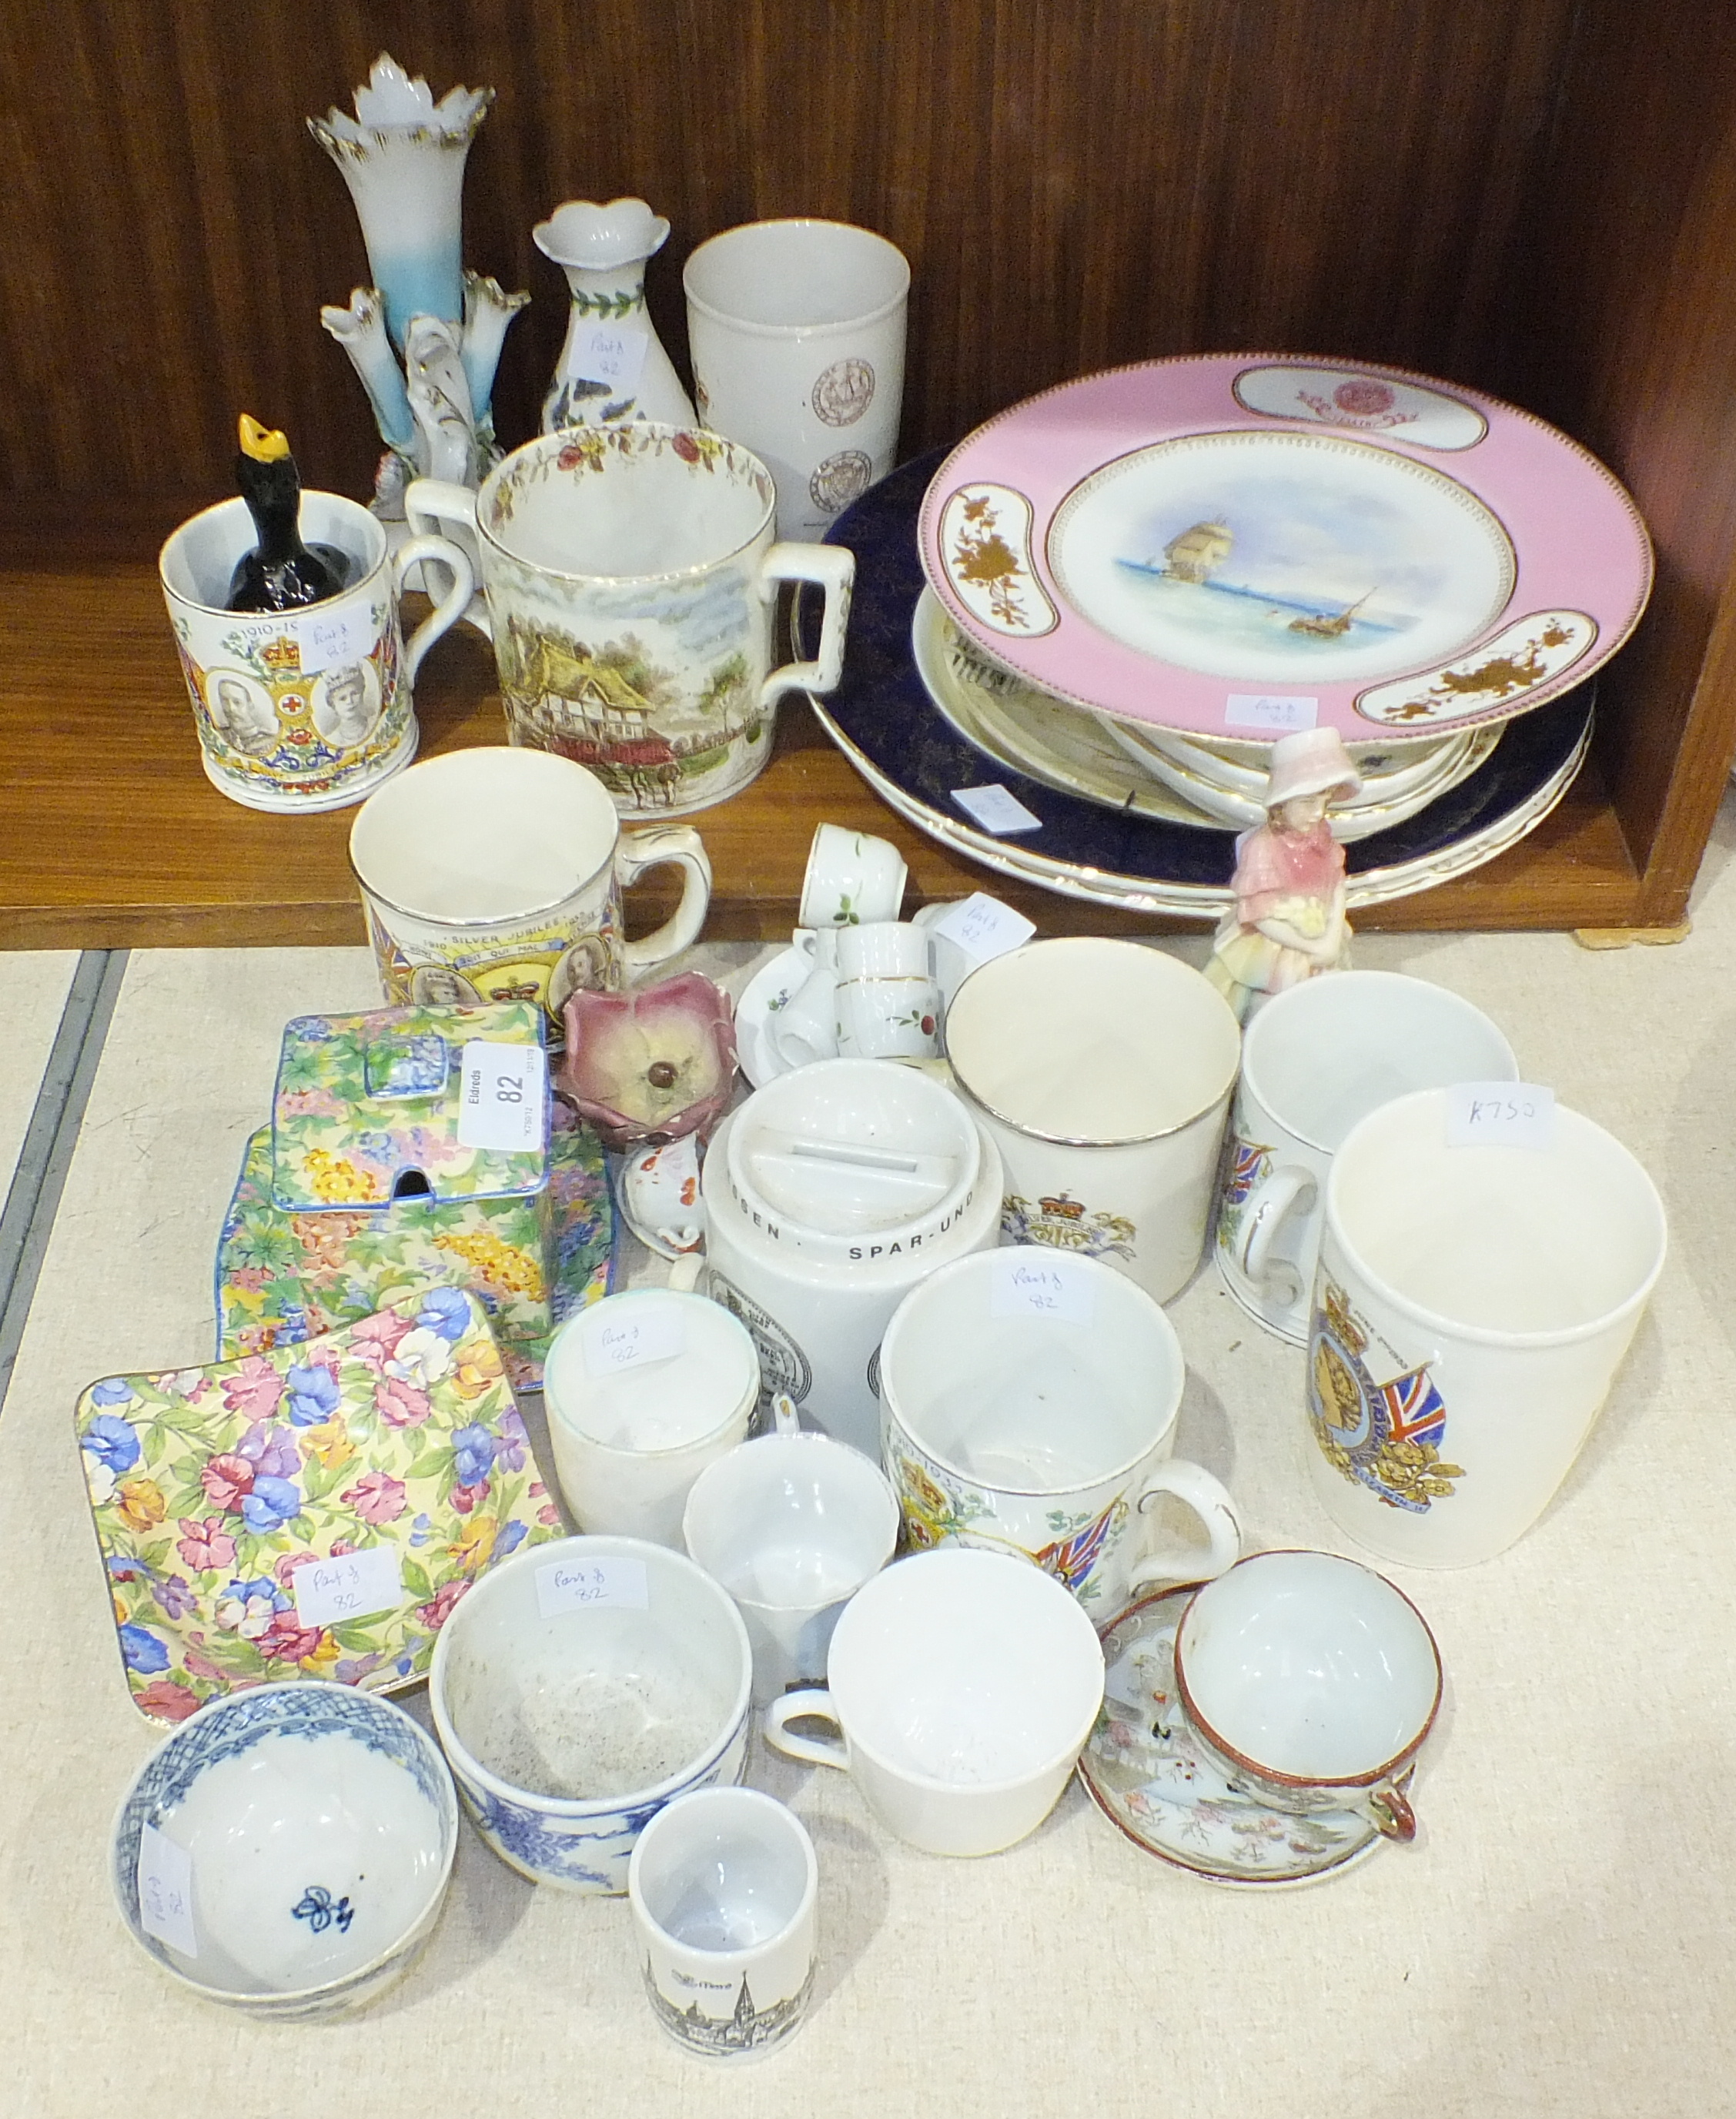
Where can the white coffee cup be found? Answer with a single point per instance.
(1314, 1060)
(963, 1685)
(829, 1194)
(1030, 1402)
(309, 709)
(804, 1029)
(643, 1391)
(724, 1884)
(1313, 1682)
(890, 1018)
(497, 874)
(631, 578)
(792, 1525)
(1471, 1307)
(797, 333)
(1102, 1069)
(851, 877)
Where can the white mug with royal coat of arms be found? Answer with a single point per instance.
(1030, 1403)
(1478, 1286)
(1103, 1072)
(309, 709)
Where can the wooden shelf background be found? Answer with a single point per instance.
(111, 836)
(1534, 198)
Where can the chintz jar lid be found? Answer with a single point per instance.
(848, 1151)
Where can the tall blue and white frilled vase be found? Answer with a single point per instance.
(613, 367)
(426, 337)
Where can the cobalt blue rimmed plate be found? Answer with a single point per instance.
(883, 719)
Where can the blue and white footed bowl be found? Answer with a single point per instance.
(287, 1850)
(577, 1689)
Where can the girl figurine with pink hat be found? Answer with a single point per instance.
(1289, 921)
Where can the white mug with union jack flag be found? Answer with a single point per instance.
(1314, 1060)
(1030, 1401)
(1485, 1262)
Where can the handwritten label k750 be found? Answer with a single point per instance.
(1500, 1114)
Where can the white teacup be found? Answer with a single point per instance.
(643, 1391)
(963, 1685)
(308, 709)
(1030, 1404)
(1471, 1307)
(1313, 1682)
(1102, 1069)
(792, 1525)
(631, 580)
(724, 1884)
(797, 333)
(1314, 1060)
(851, 879)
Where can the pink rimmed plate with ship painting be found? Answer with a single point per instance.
(1246, 544)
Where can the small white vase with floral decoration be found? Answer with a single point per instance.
(613, 367)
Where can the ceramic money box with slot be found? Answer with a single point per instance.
(387, 1165)
(829, 1194)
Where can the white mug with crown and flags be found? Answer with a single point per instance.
(1030, 1402)
(1487, 1259)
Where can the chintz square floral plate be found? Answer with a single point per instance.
(388, 1457)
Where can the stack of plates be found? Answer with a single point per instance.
(1209, 784)
(1137, 582)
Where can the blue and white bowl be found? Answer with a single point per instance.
(577, 1689)
(287, 1850)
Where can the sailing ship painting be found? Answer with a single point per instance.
(1276, 557)
(1196, 557)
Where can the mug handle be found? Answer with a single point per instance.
(807, 1699)
(1268, 1208)
(451, 607)
(1196, 1488)
(832, 568)
(639, 850)
(429, 501)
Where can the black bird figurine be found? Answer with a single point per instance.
(281, 573)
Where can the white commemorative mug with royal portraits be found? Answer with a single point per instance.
(1103, 1072)
(1314, 1060)
(632, 582)
(308, 709)
(497, 874)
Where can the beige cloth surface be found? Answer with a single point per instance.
(1560, 1940)
(33, 991)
